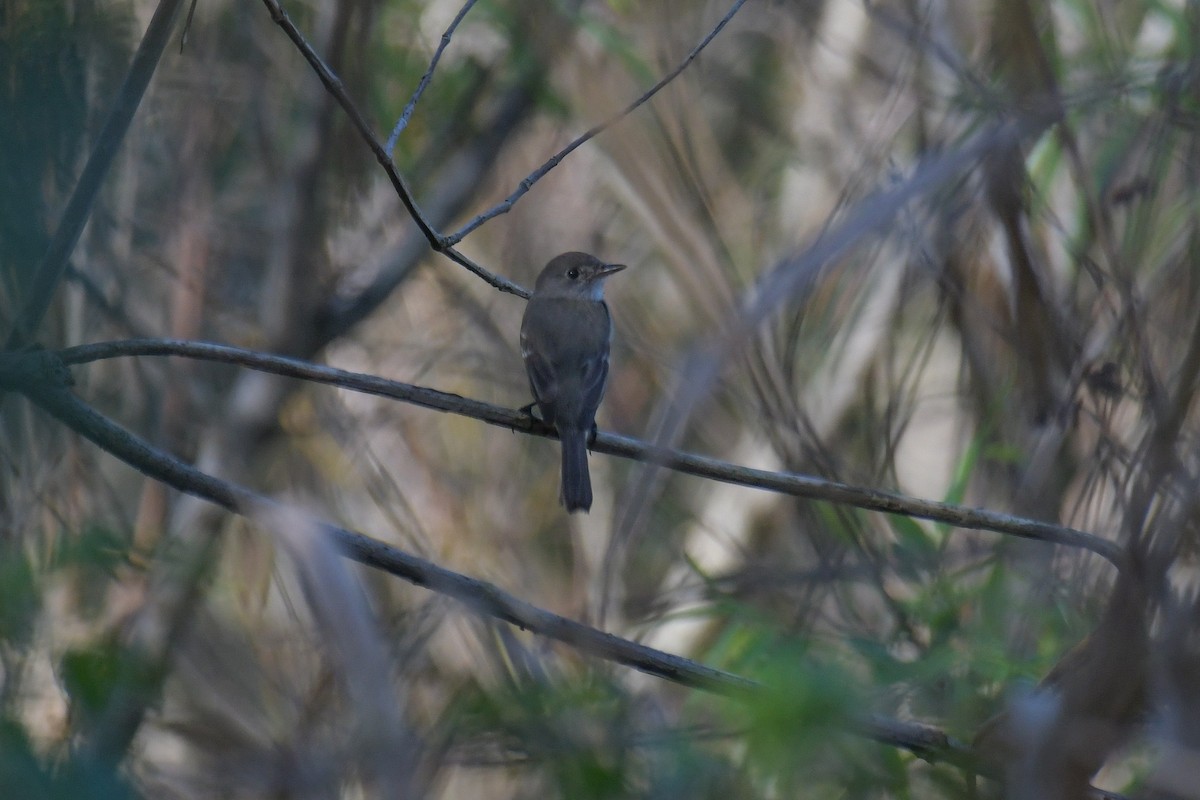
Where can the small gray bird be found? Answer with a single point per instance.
(565, 337)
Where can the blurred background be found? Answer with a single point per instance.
(1022, 336)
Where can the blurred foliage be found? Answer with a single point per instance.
(1022, 338)
(37, 761)
(53, 53)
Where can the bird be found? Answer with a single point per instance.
(566, 333)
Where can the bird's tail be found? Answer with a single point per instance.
(576, 483)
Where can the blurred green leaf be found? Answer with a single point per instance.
(20, 596)
(91, 675)
(916, 548)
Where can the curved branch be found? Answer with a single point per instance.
(333, 85)
(482, 597)
(789, 483)
(47, 388)
(44, 380)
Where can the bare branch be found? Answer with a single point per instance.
(506, 205)
(333, 85)
(43, 378)
(402, 123)
(53, 397)
(789, 483)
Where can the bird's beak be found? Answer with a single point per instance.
(609, 269)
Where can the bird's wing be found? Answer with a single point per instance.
(541, 375)
(594, 377)
(593, 374)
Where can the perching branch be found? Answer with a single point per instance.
(42, 378)
(790, 483)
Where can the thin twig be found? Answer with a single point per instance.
(789, 483)
(54, 263)
(506, 205)
(439, 242)
(333, 85)
(402, 123)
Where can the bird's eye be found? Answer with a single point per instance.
(573, 273)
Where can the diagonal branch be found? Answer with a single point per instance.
(333, 84)
(480, 596)
(789, 483)
(439, 242)
(47, 388)
(402, 123)
(504, 206)
(43, 379)
(54, 263)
